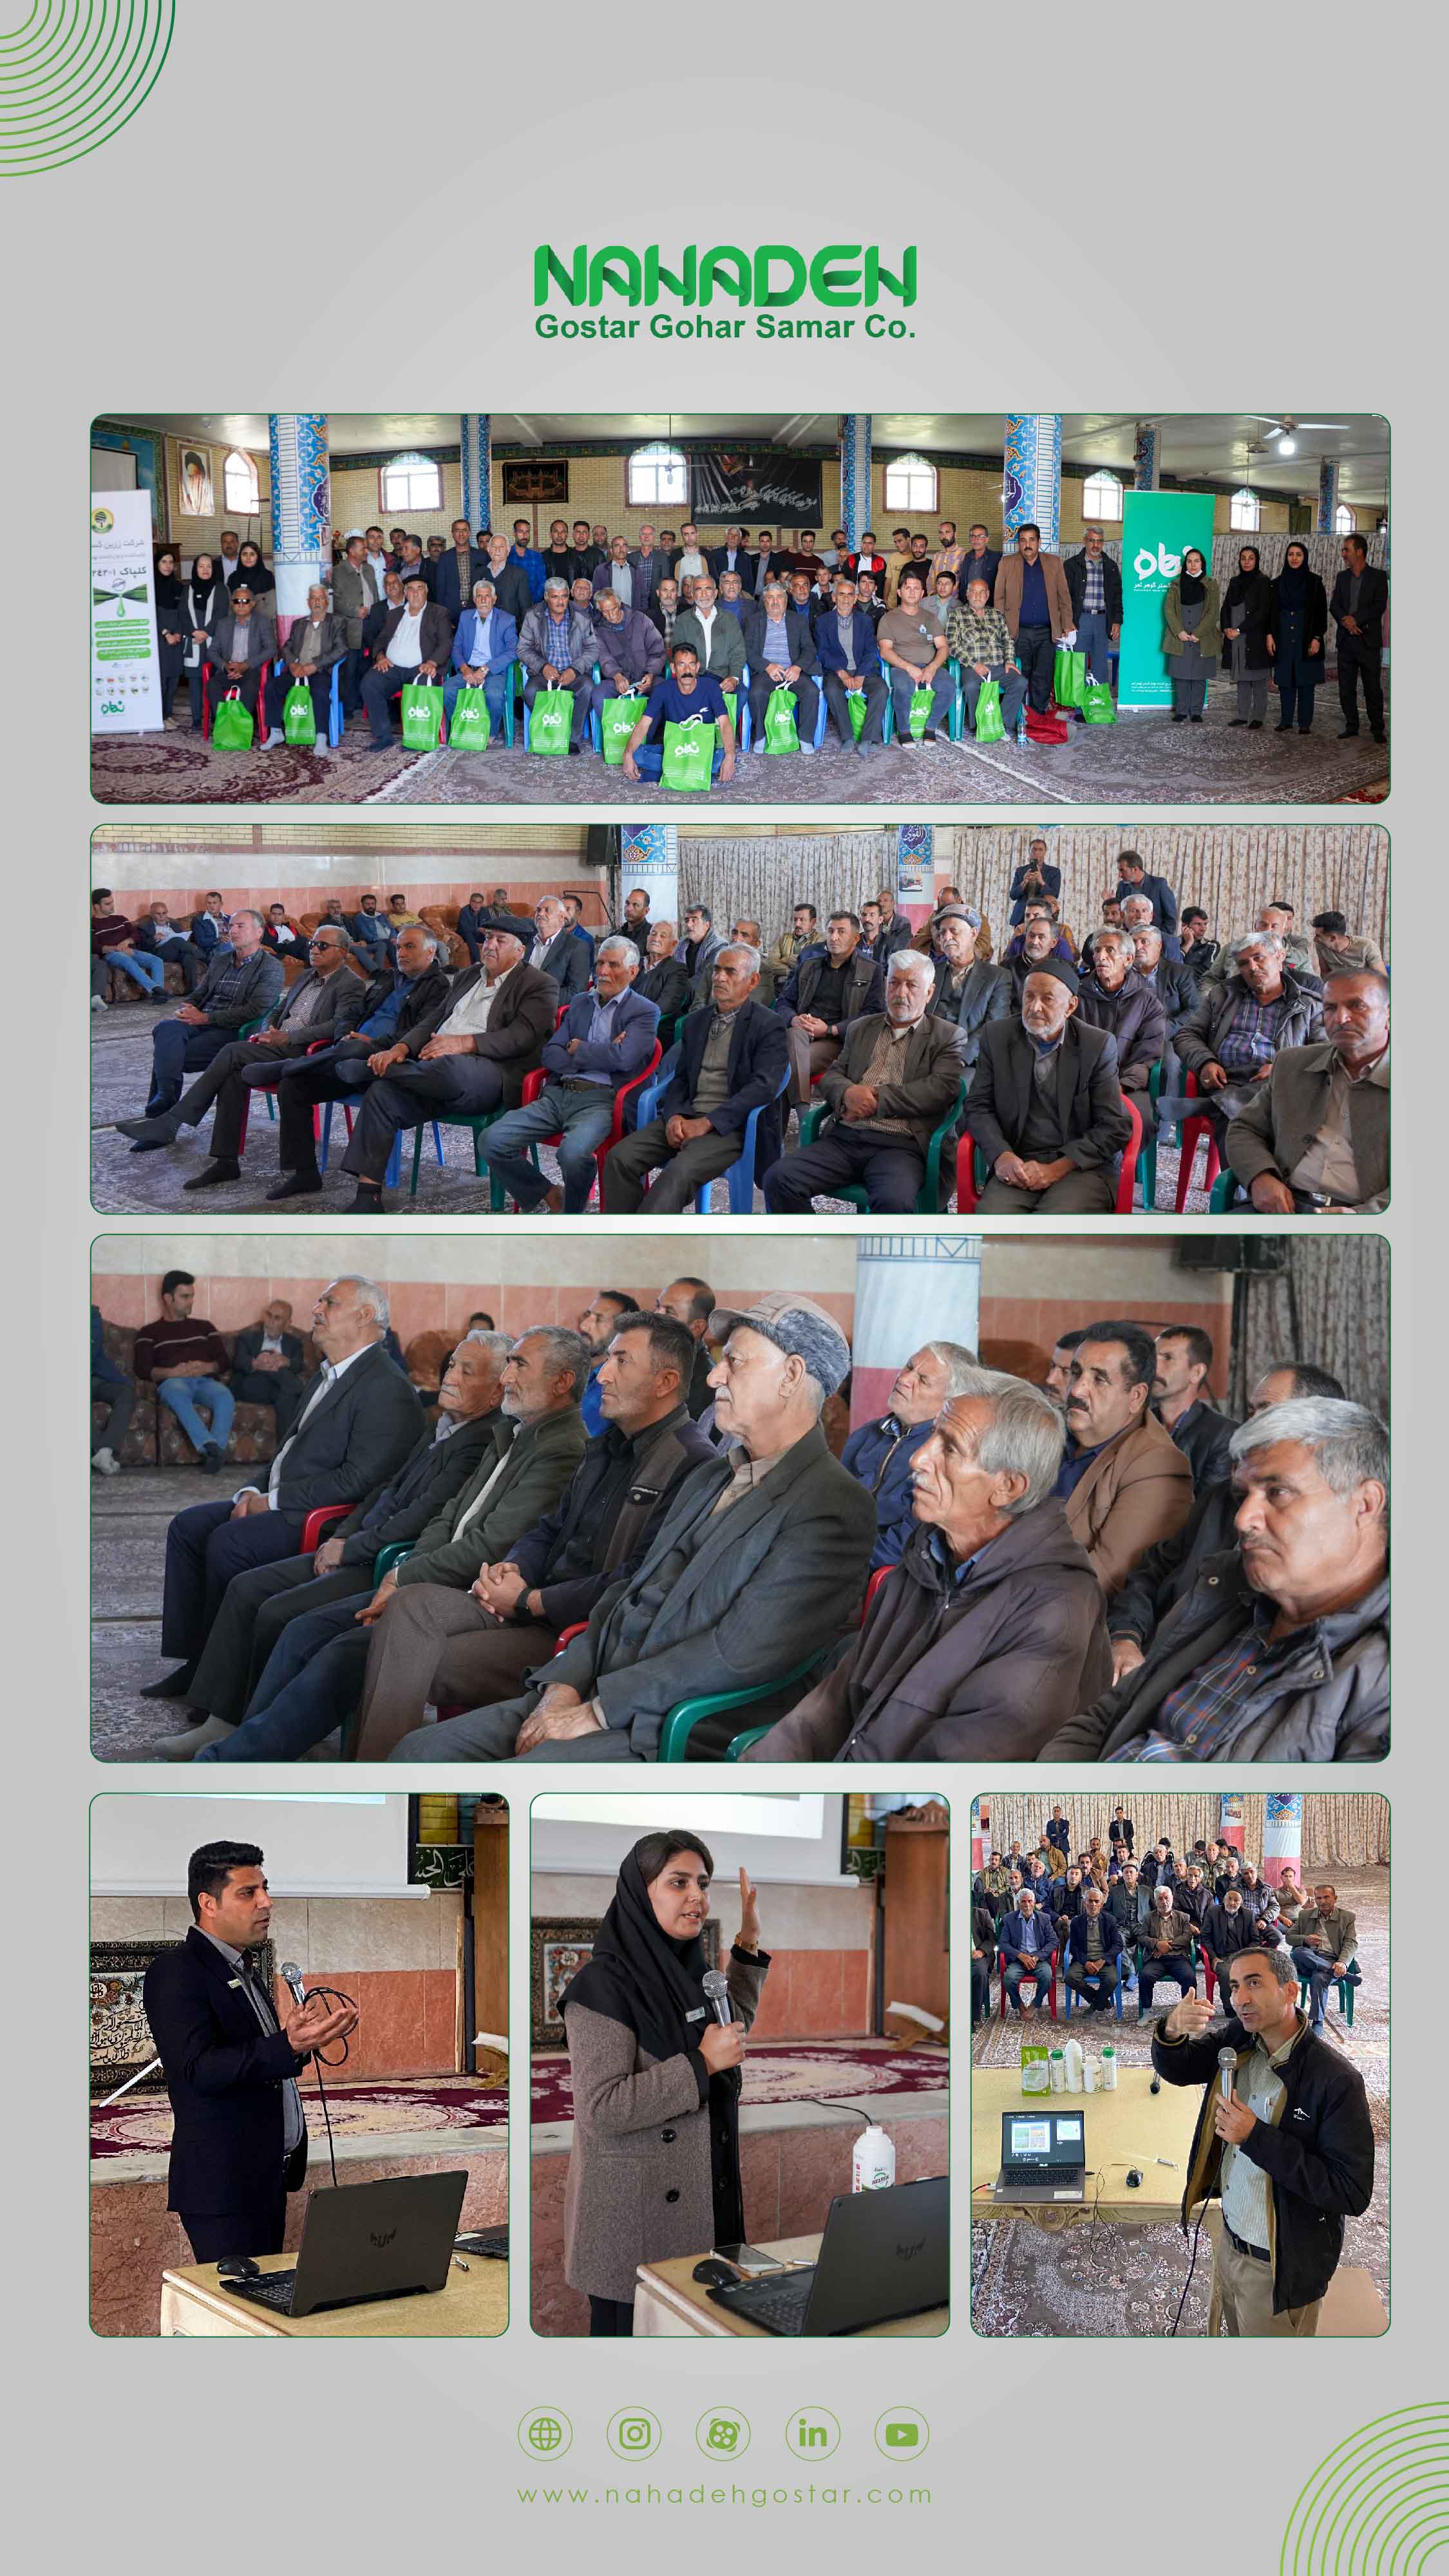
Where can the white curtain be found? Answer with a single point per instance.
(1342, 1828)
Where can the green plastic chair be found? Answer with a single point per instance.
(1346, 1991)
(387, 1557)
(679, 1725)
(1223, 1192)
(928, 1196)
(475, 1127)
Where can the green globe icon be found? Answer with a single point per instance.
(545, 2433)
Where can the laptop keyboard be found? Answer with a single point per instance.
(491, 2241)
(779, 2305)
(273, 2290)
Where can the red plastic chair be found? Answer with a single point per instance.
(970, 1179)
(1191, 1130)
(317, 1524)
(534, 1082)
(314, 1049)
(1051, 1986)
(872, 1588)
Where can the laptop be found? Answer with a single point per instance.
(365, 2241)
(1043, 2156)
(884, 2254)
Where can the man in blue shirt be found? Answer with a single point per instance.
(1027, 1940)
(525, 554)
(687, 696)
(598, 1324)
(880, 1453)
(341, 1072)
(484, 650)
(604, 1040)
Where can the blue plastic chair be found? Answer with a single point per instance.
(747, 727)
(1073, 1998)
(334, 705)
(740, 1178)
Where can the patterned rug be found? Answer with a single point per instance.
(782, 2071)
(123, 1183)
(405, 2107)
(1143, 759)
(1110, 2280)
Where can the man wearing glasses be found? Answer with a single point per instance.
(324, 1004)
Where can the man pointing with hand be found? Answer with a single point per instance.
(1283, 2140)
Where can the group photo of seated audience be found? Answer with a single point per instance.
(995, 1021)
(931, 1501)
(1194, 1990)
(457, 621)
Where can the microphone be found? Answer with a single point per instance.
(1227, 2068)
(291, 1976)
(717, 1990)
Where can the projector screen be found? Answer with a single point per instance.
(342, 1843)
(775, 1836)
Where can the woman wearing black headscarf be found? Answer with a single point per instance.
(655, 2167)
(1247, 616)
(1191, 636)
(1298, 626)
(203, 599)
(250, 568)
(170, 626)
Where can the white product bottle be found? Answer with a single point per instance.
(1056, 2068)
(1109, 2068)
(1089, 2075)
(1073, 2055)
(873, 2165)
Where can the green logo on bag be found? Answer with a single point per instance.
(842, 274)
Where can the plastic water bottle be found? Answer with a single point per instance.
(873, 2164)
(1073, 2056)
(1057, 2071)
(1109, 2068)
(1089, 2075)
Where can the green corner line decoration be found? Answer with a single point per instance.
(73, 75)
(1378, 2505)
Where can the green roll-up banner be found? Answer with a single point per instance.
(1157, 527)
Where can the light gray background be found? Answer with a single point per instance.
(1168, 210)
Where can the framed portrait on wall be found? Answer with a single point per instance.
(195, 487)
(535, 481)
(559, 1946)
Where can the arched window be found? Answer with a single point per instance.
(239, 483)
(1245, 511)
(658, 478)
(1345, 520)
(411, 484)
(912, 483)
(1102, 496)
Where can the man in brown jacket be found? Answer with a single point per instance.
(1323, 1941)
(1124, 1481)
(1032, 595)
(992, 1620)
(898, 1075)
(462, 1060)
(1166, 1944)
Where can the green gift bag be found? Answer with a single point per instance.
(1069, 678)
(470, 725)
(1097, 704)
(299, 723)
(617, 719)
(422, 715)
(231, 726)
(920, 711)
(781, 731)
(688, 755)
(989, 725)
(550, 721)
(855, 706)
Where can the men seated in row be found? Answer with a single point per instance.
(1045, 1105)
(898, 1075)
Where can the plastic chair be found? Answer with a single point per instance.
(318, 1522)
(1070, 1997)
(1345, 1984)
(509, 669)
(740, 1178)
(475, 1127)
(1051, 1985)
(334, 702)
(321, 1127)
(1188, 1135)
(1223, 1193)
(971, 1167)
(739, 1745)
(535, 1082)
(928, 1196)
(747, 722)
(689, 1713)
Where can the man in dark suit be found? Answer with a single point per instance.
(894, 1080)
(231, 2054)
(1046, 1106)
(1133, 880)
(357, 1426)
(733, 556)
(555, 951)
(761, 1561)
(732, 1059)
(239, 650)
(323, 1004)
(267, 1365)
(413, 643)
(415, 565)
(1035, 877)
(397, 997)
(849, 657)
(664, 980)
(458, 568)
(334, 1580)
(1359, 606)
(316, 645)
(464, 1059)
(825, 989)
(789, 665)
(604, 1041)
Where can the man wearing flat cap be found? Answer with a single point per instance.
(967, 992)
(1045, 1106)
(760, 1563)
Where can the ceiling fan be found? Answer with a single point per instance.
(1285, 428)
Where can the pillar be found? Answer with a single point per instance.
(1231, 1822)
(1327, 494)
(301, 508)
(855, 501)
(915, 886)
(909, 1289)
(1282, 1834)
(649, 857)
(1145, 473)
(1032, 477)
(475, 439)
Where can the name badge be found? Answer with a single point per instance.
(698, 2013)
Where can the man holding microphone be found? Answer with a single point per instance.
(232, 2054)
(1283, 2139)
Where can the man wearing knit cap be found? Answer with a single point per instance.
(760, 1564)
(1045, 1107)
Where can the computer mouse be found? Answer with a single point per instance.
(1134, 2180)
(714, 2275)
(238, 2267)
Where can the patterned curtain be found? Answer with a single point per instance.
(1337, 1288)
(1342, 1829)
(760, 878)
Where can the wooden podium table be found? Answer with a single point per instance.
(1131, 2126)
(668, 2302)
(475, 2302)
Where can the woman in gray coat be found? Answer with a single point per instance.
(655, 2168)
(1191, 635)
